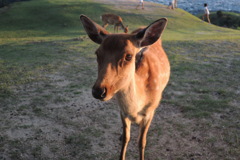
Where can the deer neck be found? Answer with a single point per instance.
(129, 97)
(121, 24)
(132, 89)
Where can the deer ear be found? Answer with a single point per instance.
(95, 32)
(152, 33)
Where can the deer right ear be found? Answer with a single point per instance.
(95, 32)
(151, 34)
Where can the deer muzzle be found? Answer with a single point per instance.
(99, 93)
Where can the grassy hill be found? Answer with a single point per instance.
(47, 68)
(50, 19)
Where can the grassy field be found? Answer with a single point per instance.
(47, 69)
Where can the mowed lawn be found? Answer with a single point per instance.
(48, 66)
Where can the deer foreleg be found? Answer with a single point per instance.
(117, 29)
(105, 25)
(125, 136)
(143, 130)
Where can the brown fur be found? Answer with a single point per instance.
(115, 20)
(138, 90)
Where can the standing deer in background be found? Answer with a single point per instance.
(113, 20)
(135, 68)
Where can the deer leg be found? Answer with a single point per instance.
(115, 28)
(143, 130)
(105, 25)
(125, 136)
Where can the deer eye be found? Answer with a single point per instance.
(128, 57)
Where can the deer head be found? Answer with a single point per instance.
(126, 29)
(116, 55)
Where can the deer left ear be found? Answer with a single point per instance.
(95, 32)
(152, 33)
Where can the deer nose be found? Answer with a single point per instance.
(99, 93)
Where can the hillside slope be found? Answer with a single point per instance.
(56, 18)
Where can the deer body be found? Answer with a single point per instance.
(115, 20)
(135, 68)
(141, 96)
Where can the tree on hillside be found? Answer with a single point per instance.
(225, 19)
(219, 14)
(3, 3)
(7, 2)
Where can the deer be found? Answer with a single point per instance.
(135, 68)
(115, 20)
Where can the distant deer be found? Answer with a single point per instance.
(135, 68)
(115, 20)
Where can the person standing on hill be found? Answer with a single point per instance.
(174, 3)
(140, 3)
(206, 13)
(171, 5)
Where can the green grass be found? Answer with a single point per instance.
(202, 67)
(60, 19)
(36, 33)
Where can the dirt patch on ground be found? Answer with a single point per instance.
(58, 118)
